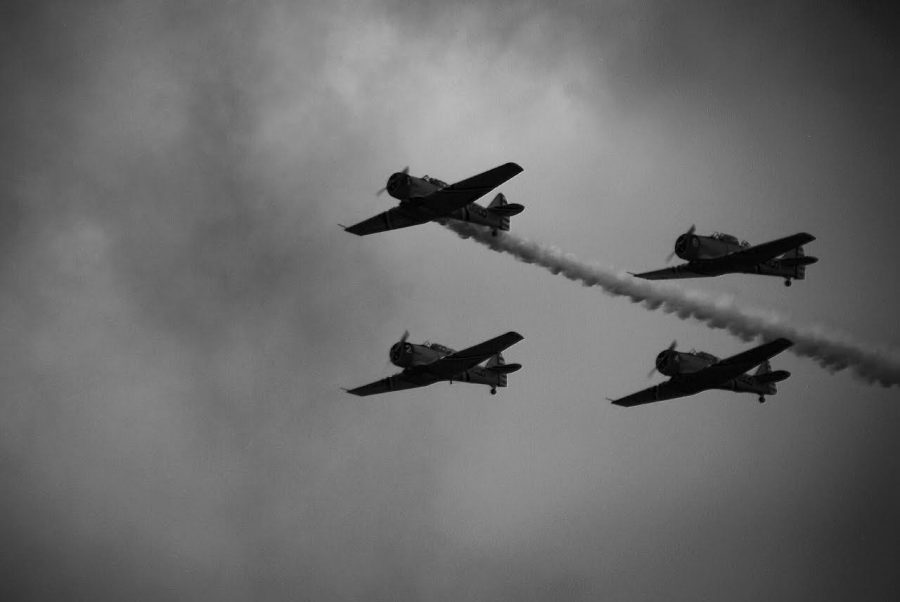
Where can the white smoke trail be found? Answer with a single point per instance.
(831, 350)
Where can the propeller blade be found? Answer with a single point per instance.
(688, 233)
(405, 336)
(671, 347)
(381, 191)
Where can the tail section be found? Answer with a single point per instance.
(765, 378)
(497, 365)
(504, 210)
(499, 201)
(764, 368)
(773, 377)
(796, 261)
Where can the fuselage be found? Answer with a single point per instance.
(697, 249)
(409, 189)
(408, 355)
(678, 363)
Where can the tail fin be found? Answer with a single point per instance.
(496, 363)
(499, 201)
(795, 259)
(764, 375)
(504, 210)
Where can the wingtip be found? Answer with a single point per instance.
(783, 343)
(515, 167)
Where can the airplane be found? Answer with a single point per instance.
(697, 371)
(429, 363)
(428, 199)
(723, 254)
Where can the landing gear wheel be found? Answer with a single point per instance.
(762, 399)
(494, 232)
(787, 282)
(493, 391)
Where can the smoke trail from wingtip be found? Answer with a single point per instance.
(832, 351)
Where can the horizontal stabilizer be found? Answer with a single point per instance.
(507, 210)
(772, 377)
(790, 262)
(504, 368)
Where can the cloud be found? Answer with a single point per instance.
(180, 308)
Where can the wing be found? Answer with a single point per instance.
(460, 361)
(408, 379)
(445, 201)
(734, 366)
(766, 251)
(671, 389)
(679, 271)
(391, 219)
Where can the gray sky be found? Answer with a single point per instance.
(181, 309)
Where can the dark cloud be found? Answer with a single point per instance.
(164, 312)
(180, 308)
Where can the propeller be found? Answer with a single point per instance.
(670, 348)
(396, 348)
(381, 190)
(688, 233)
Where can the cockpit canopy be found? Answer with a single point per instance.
(435, 181)
(729, 239)
(438, 347)
(709, 357)
(724, 237)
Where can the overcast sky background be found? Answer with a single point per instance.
(180, 308)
